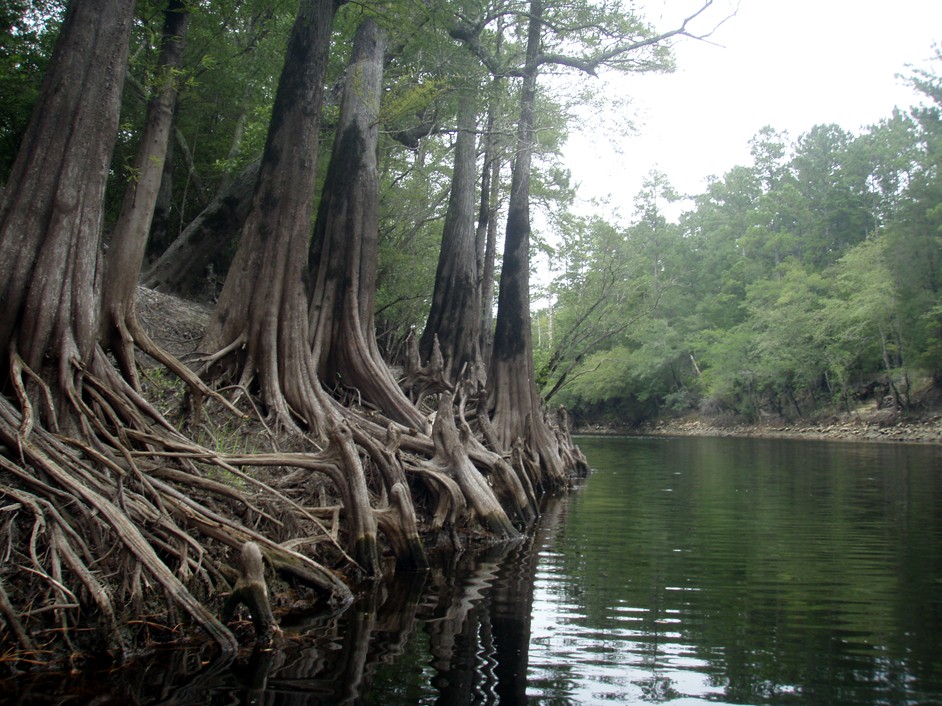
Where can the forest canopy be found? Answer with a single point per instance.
(348, 190)
(800, 284)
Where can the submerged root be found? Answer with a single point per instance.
(115, 521)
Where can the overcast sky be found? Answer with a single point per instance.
(791, 64)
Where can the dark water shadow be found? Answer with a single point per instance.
(457, 634)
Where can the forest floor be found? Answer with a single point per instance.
(175, 324)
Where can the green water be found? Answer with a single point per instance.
(684, 571)
(745, 571)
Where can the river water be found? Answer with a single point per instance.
(684, 571)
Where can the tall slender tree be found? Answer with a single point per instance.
(514, 401)
(258, 332)
(455, 315)
(486, 234)
(129, 239)
(342, 265)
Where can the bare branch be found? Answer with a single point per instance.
(590, 64)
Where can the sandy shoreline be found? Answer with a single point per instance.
(928, 431)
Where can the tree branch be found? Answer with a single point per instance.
(590, 64)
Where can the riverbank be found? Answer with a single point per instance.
(874, 427)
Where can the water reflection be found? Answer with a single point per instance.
(685, 571)
(745, 571)
(458, 634)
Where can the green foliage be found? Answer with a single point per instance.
(413, 199)
(28, 29)
(790, 285)
(234, 52)
(613, 293)
(860, 312)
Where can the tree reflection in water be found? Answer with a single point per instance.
(456, 634)
(473, 615)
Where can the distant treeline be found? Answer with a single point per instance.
(806, 280)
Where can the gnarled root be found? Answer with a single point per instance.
(362, 523)
(55, 473)
(252, 591)
(513, 488)
(451, 455)
(423, 380)
(571, 455)
(119, 513)
(396, 519)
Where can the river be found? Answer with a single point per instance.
(683, 571)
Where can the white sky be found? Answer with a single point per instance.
(791, 64)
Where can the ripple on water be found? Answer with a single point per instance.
(759, 573)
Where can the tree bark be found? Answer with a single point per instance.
(486, 235)
(161, 228)
(451, 455)
(252, 590)
(513, 399)
(129, 240)
(258, 331)
(51, 215)
(455, 314)
(343, 256)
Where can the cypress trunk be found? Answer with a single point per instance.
(513, 399)
(455, 314)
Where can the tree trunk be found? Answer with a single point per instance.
(455, 314)
(161, 227)
(487, 235)
(258, 331)
(512, 395)
(126, 253)
(51, 216)
(343, 255)
(199, 258)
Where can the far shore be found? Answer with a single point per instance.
(923, 431)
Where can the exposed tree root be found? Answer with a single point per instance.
(123, 515)
(110, 512)
(512, 486)
(128, 516)
(252, 590)
(423, 380)
(14, 623)
(61, 470)
(451, 456)
(571, 455)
